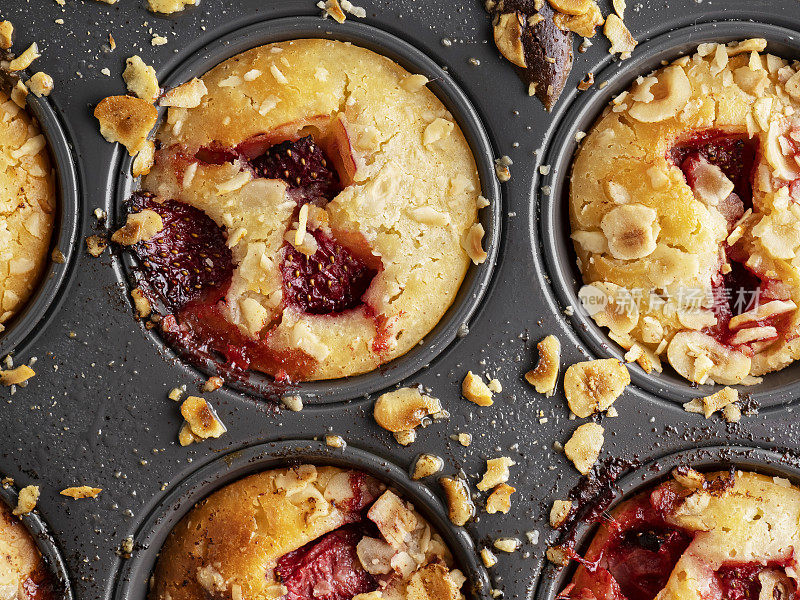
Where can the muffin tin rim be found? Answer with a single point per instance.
(478, 279)
(130, 578)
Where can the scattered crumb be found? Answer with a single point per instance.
(27, 499)
(81, 492)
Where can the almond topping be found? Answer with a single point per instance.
(40, 83)
(499, 501)
(24, 60)
(187, 95)
(472, 244)
(508, 37)
(6, 34)
(138, 227)
(475, 390)
(459, 503)
(141, 303)
(96, 245)
(141, 79)
(559, 513)
(426, 465)
(497, 472)
(708, 405)
(145, 159)
(584, 446)
(571, 7)
(671, 94)
(631, 230)
(622, 41)
(545, 375)
(404, 409)
(762, 312)
(201, 419)
(17, 375)
(593, 386)
(689, 478)
(126, 120)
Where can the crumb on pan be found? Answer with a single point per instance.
(16, 375)
(81, 492)
(584, 446)
(593, 386)
(402, 411)
(27, 499)
(474, 389)
(126, 120)
(544, 377)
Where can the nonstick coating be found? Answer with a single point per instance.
(97, 411)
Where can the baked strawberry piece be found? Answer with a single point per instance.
(720, 536)
(346, 196)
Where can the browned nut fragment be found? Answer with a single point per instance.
(559, 513)
(168, 7)
(571, 7)
(689, 478)
(404, 409)
(586, 82)
(141, 79)
(545, 375)
(433, 582)
(499, 501)
(507, 29)
(81, 492)
(212, 384)
(593, 386)
(126, 120)
(17, 375)
(474, 389)
(201, 418)
(459, 503)
(584, 446)
(497, 472)
(426, 465)
(732, 413)
(96, 245)
(141, 304)
(186, 95)
(558, 555)
(19, 94)
(488, 558)
(622, 41)
(335, 441)
(6, 34)
(24, 60)
(405, 438)
(40, 83)
(186, 437)
(334, 10)
(145, 159)
(473, 244)
(708, 405)
(138, 227)
(27, 499)
(507, 544)
(584, 25)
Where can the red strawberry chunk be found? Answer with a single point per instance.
(326, 569)
(329, 281)
(303, 166)
(187, 258)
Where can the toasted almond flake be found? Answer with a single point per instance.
(593, 386)
(27, 499)
(437, 130)
(81, 492)
(559, 512)
(40, 83)
(96, 245)
(413, 83)
(212, 384)
(168, 7)
(141, 304)
(17, 375)
(31, 147)
(6, 34)
(473, 244)
(201, 418)
(24, 60)
(508, 545)
(236, 182)
(459, 503)
(126, 120)
(507, 29)
(426, 465)
(488, 558)
(144, 160)
(499, 501)
(404, 409)
(497, 472)
(689, 478)
(138, 227)
(622, 41)
(186, 95)
(475, 390)
(141, 79)
(545, 375)
(584, 446)
(231, 81)
(708, 405)
(302, 221)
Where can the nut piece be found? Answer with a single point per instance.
(126, 120)
(425, 466)
(334, 10)
(545, 375)
(40, 83)
(584, 25)
(459, 503)
(559, 513)
(571, 7)
(96, 245)
(434, 582)
(622, 41)
(488, 557)
(27, 499)
(167, 7)
(508, 37)
(497, 472)
(138, 227)
(499, 501)
(6, 33)
(689, 478)
(761, 313)
(201, 419)
(475, 390)
(186, 95)
(558, 555)
(584, 446)
(404, 409)
(17, 375)
(145, 159)
(631, 231)
(708, 405)
(81, 492)
(140, 303)
(699, 357)
(473, 244)
(141, 79)
(24, 60)
(507, 544)
(593, 386)
(671, 93)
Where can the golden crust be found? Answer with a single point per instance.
(27, 207)
(19, 557)
(412, 193)
(639, 229)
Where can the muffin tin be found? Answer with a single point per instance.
(97, 412)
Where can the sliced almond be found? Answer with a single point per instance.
(763, 312)
(473, 244)
(24, 60)
(622, 41)
(689, 478)
(499, 501)
(141, 79)
(544, 377)
(708, 405)
(426, 465)
(497, 472)
(559, 512)
(459, 503)
(6, 34)
(40, 83)
(126, 120)
(186, 95)
(474, 389)
(584, 446)
(508, 37)
(571, 7)
(138, 227)
(699, 357)
(81, 492)
(594, 385)
(203, 421)
(404, 409)
(17, 375)
(631, 230)
(27, 499)
(671, 94)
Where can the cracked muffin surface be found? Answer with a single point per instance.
(305, 533)
(685, 213)
(23, 572)
(711, 536)
(27, 207)
(348, 197)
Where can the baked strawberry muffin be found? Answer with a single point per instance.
(719, 536)
(318, 210)
(306, 533)
(23, 572)
(685, 212)
(27, 207)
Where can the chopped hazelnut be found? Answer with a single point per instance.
(201, 418)
(96, 245)
(426, 465)
(499, 501)
(497, 472)
(584, 446)
(126, 120)
(27, 499)
(559, 513)
(81, 492)
(708, 405)
(17, 375)
(475, 390)
(404, 409)
(141, 303)
(138, 227)
(141, 79)
(460, 506)
(545, 375)
(187, 95)
(593, 386)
